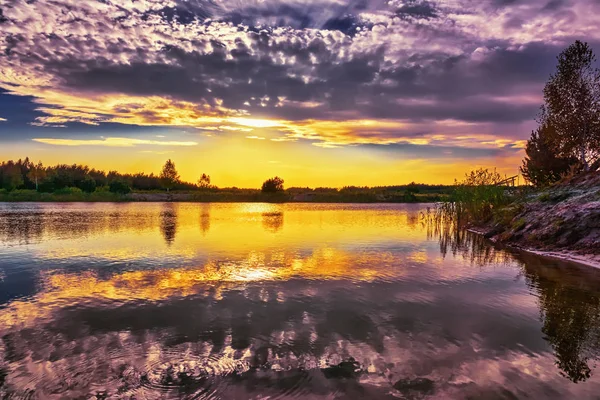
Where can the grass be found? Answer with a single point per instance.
(545, 197)
(59, 196)
(519, 224)
(359, 195)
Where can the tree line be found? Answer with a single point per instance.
(64, 179)
(24, 174)
(567, 140)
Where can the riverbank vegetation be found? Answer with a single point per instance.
(476, 197)
(560, 208)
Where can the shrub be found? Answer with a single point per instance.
(519, 224)
(68, 190)
(88, 184)
(120, 187)
(545, 197)
(410, 197)
(273, 185)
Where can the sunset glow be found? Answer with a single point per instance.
(322, 93)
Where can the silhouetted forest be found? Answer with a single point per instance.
(23, 180)
(24, 174)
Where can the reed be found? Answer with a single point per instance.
(474, 200)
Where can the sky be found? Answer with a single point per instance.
(319, 92)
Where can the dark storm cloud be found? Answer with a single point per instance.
(280, 15)
(347, 24)
(505, 3)
(320, 14)
(297, 14)
(196, 77)
(417, 9)
(555, 5)
(416, 151)
(137, 79)
(470, 109)
(461, 88)
(458, 87)
(2, 17)
(18, 111)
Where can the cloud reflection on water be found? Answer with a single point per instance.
(249, 308)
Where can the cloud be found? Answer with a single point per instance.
(416, 9)
(111, 142)
(3, 120)
(292, 66)
(156, 152)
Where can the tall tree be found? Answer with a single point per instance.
(169, 175)
(272, 185)
(88, 184)
(36, 174)
(204, 181)
(542, 166)
(572, 104)
(11, 176)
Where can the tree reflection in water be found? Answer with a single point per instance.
(205, 218)
(570, 311)
(168, 222)
(21, 227)
(460, 242)
(569, 296)
(272, 221)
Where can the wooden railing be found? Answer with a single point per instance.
(512, 181)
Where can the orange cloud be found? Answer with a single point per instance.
(111, 142)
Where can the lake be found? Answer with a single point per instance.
(283, 301)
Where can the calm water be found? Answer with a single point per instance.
(258, 301)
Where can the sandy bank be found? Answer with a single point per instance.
(560, 222)
(590, 260)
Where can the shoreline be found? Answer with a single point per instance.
(210, 201)
(360, 195)
(212, 198)
(560, 222)
(587, 260)
(206, 201)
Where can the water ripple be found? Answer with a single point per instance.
(257, 301)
